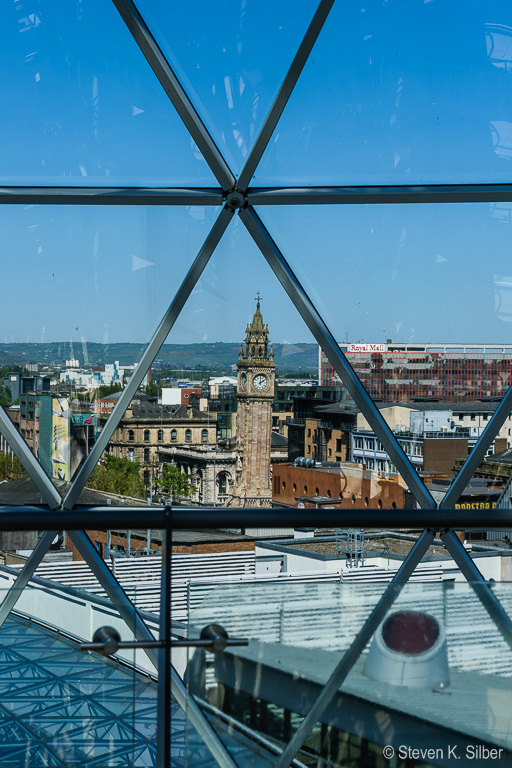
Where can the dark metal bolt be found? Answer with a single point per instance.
(110, 638)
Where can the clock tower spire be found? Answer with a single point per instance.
(255, 395)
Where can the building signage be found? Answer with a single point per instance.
(367, 348)
(60, 438)
(476, 505)
(81, 419)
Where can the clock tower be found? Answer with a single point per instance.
(255, 395)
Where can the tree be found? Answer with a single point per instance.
(174, 482)
(107, 389)
(11, 468)
(153, 390)
(116, 475)
(5, 396)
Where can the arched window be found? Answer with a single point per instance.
(204, 435)
(160, 435)
(131, 436)
(222, 486)
(199, 482)
(188, 435)
(174, 434)
(146, 435)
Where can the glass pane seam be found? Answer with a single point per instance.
(149, 355)
(285, 91)
(318, 328)
(174, 90)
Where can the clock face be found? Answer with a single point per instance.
(260, 382)
(244, 381)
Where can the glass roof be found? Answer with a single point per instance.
(61, 706)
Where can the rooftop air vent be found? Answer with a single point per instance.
(409, 648)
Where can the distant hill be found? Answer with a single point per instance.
(219, 357)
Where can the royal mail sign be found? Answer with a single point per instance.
(367, 348)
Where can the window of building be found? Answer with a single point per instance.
(131, 454)
(174, 435)
(146, 455)
(131, 436)
(160, 435)
(222, 485)
(188, 435)
(473, 417)
(146, 435)
(204, 435)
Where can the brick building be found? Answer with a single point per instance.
(342, 485)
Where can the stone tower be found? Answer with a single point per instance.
(255, 395)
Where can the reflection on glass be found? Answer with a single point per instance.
(499, 45)
(435, 674)
(216, 54)
(393, 96)
(61, 704)
(86, 114)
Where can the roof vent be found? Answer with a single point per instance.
(409, 648)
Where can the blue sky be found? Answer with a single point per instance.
(394, 93)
